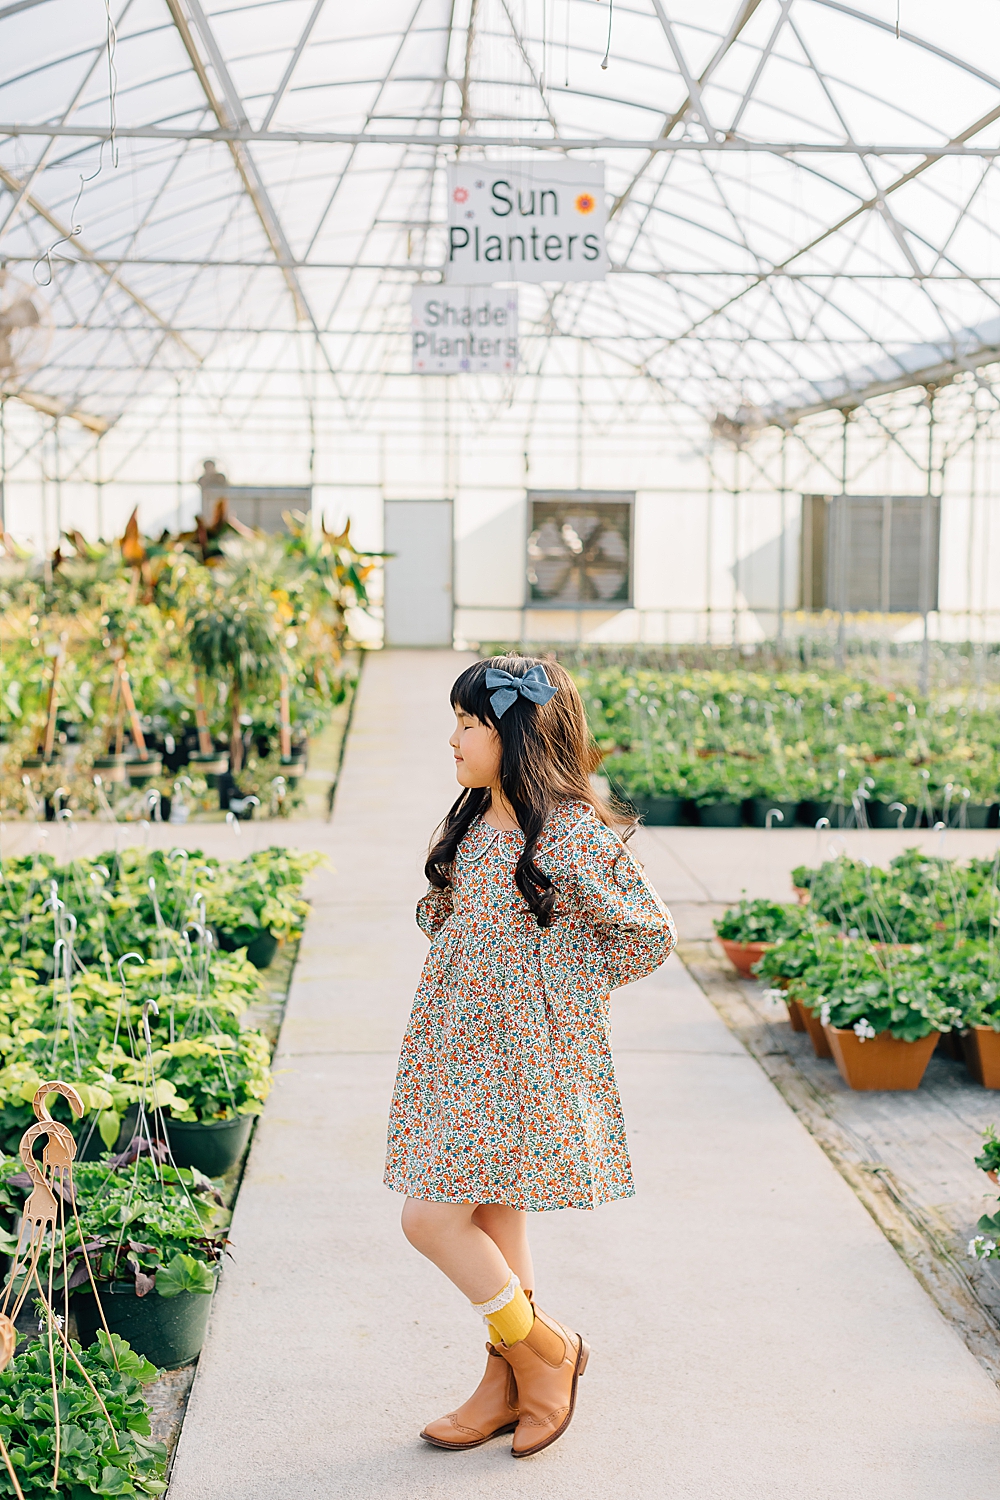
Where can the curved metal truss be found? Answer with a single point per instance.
(239, 196)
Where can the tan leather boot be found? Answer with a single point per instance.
(547, 1364)
(489, 1411)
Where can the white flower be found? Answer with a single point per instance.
(774, 994)
(981, 1248)
(863, 1029)
(824, 1014)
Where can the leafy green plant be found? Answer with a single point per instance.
(760, 921)
(99, 1454)
(136, 1216)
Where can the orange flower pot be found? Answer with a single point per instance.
(817, 1035)
(795, 1015)
(881, 1062)
(743, 955)
(981, 1045)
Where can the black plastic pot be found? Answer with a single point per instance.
(811, 811)
(213, 1148)
(720, 814)
(759, 807)
(260, 943)
(886, 815)
(169, 1331)
(94, 1148)
(659, 812)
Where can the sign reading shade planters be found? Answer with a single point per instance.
(534, 220)
(464, 329)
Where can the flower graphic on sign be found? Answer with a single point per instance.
(460, 194)
(585, 204)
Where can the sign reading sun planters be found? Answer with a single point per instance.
(464, 328)
(526, 221)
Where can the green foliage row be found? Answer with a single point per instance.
(910, 949)
(66, 1011)
(723, 736)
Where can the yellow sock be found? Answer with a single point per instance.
(508, 1315)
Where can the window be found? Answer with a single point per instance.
(580, 549)
(875, 553)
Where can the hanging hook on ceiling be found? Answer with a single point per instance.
(611, 16)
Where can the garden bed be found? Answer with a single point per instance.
(725, 748)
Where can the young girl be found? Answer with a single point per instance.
(505, 1099)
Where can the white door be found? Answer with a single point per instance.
(418, 601)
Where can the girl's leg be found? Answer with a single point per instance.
(447, 1234)
(508, 1229)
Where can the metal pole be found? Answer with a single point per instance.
(925, 550)
(3, 465)
(180, 459)
(57, 465)
(781, 537)
(99, 487)
(736, 543)
(840, 561)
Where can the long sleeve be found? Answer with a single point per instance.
(634, 931)
(434, 909)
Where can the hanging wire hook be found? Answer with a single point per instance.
(607, 50)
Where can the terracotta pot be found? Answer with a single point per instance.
(742, 955)
(795, 1015)
(817, 1035)
(981, 1045)
(882, 1062)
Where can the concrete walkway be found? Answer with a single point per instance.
(753, 1333)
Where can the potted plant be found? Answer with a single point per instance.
(152, 1238)
(746, 931)
(718, 789)
(232, 639)
(883, 1015)
(785, 963)
(209, 1090)
(104, 1443)
(989, 1158)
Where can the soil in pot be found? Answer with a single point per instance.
(170, 1331)
(213, 1148)
(743, 955)
(795, 1015)
(659, 812)
(881, 1062)
(981, 1046)
(759, 807)
(817, 1035)
(720, 815)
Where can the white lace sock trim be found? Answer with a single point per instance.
(503, 1296)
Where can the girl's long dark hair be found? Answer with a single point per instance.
(546, 756)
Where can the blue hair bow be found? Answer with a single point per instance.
(534, 685)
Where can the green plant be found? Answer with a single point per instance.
(989, 1158)
(203, 1079)
(852, 984)
(760, 921)
(104, 1439)
(135, 1217)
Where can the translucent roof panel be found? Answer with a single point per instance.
(799, 198)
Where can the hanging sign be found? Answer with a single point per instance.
(464, 328)
(533, 220)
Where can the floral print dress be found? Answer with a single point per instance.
(506, 1088)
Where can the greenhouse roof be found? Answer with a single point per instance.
(800, 191)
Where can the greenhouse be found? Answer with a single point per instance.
(588, 410)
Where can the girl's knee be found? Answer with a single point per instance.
(423, 1223)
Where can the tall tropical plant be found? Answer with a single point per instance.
(232, 639)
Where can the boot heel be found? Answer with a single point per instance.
(582, 1358)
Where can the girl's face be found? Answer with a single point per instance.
(477, 751)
